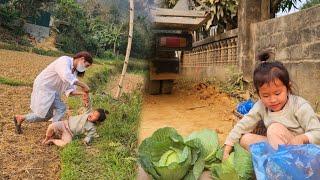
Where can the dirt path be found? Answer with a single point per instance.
(188, 110)
(23, 156)
(131, 82)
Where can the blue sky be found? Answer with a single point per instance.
(293, 10)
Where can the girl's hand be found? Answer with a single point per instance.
(85, 99)
(226, 152)
(300, 139)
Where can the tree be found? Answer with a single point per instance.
(310, 3)
(126, 61)
(73, 25)
(29, 8)
(224, 12)
(282, 5)
(14, 14)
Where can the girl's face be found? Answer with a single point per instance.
(274, 95)
(94, 116)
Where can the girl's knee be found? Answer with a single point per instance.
(274, 128)
(246, 140)
(249, 138)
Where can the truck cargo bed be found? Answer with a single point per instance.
(178, 19)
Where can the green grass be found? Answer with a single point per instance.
(136, 66)
(17, 47)
(113, 154)
(11, 82)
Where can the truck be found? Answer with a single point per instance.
(172, 35)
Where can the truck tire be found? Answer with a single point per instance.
(166, 86)
(153, 87)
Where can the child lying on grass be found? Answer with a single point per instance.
(82, 124)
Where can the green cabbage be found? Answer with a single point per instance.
(238, 166)
(166, 156)
(209, 142)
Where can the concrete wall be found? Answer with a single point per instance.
(295, 40)
(39, 32)
(221, 72)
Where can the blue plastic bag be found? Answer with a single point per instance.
(293, 162)
(245, 106)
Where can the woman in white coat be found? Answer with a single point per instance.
(58, 78)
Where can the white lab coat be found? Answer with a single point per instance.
(57, 77)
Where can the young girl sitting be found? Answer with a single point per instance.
(289, 119)
(84, 123)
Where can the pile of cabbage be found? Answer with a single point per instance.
(169, 156)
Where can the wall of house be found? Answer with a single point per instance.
(295, 41)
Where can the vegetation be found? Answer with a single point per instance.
(310, 3)
(168, 155)
(11, 82)
(94, 25)
(35, 50)
(224, 13)
(112, 155)
(98, 27)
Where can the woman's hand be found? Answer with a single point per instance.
(85, 87)
(300, 139)
(226, 152)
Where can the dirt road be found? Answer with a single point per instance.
(188, 110)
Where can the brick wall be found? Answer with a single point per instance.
(213, 57)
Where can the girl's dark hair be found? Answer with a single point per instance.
(266, 55)
(86, 55)
(102, 114)
(268, 71)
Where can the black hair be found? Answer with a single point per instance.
(268, 71)
(102, 114)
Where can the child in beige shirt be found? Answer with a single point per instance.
(82, 124)
(289, 119)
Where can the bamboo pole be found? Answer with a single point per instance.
(126, 61)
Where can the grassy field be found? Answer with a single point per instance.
(113, 154)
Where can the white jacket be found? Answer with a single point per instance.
(57, 77)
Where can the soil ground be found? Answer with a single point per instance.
(187, 110)
(23, 156)
(131, 82)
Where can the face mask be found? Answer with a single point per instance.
(81, 67)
